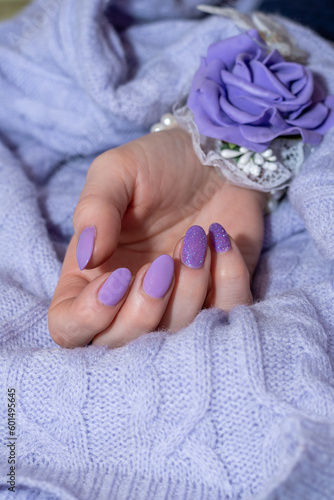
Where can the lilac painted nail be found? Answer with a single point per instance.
(159, 277)
(114, 288)
(85, 246)
(219, 238)
(194, 247)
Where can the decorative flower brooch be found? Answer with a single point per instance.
(246, 95)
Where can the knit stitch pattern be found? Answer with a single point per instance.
(233, 407)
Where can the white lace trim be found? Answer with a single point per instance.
(289, 155)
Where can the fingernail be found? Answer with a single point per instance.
(85, 246)
(194, 247)
(159, 277)
(219, 238)
(114, 288)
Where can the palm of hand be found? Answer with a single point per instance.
(173, 192)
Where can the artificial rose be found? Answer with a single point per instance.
(245, 95)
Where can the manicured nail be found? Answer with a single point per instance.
(159, 277)
(85, 246)
(114, 288)
(194, 247)
(219, 238)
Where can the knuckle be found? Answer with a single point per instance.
(86, 201)
(65, 336)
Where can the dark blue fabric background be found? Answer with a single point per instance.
(318, 15)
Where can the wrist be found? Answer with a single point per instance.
(252, 199)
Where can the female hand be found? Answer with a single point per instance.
(138, 201)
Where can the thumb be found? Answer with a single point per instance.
(103, 201)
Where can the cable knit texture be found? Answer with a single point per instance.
(238, 407)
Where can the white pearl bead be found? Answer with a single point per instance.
(243, 150)
(157, 127)
(168, 120)
(272, 158)
(271, 205)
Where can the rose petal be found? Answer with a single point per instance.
(241, 68)
(266, 117)
(284, 107)
(198, 77)
(329, 102)
(199, 84)
(305, 93)
(236, 114)
(261, 134)
(319, 93)
(298, 85)
(213, 69)
(235, 136)
(273, 57)
(206, 126)
(300, 109)
(271, 117)
(329, 121)
(249, 88)
(311, 119)
(264, 78)
(288, 72)
(309, 136)
(227, 50)
(206, 102)
(244, 102)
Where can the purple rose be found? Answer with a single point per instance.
(247, 96)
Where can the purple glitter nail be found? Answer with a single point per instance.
(194, 247)
(219, 238)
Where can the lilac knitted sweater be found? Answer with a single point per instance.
(232, 407)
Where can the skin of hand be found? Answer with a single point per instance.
(142, 198)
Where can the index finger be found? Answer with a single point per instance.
(103, 201)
